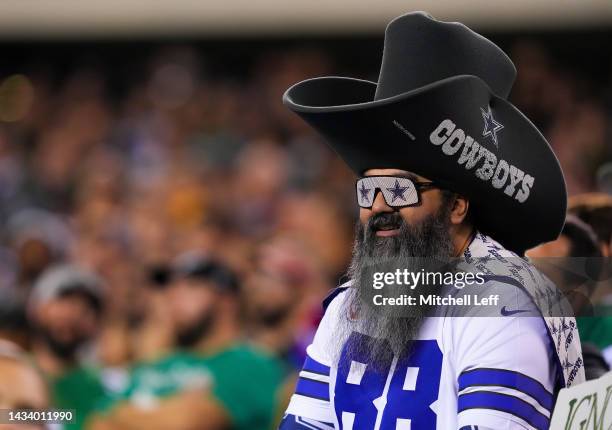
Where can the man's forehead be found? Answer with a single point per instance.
(395, 172)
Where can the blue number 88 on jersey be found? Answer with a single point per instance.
(393, 393)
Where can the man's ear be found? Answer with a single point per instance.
(460, 208)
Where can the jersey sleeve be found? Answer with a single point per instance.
(505, 372)
(309, 406)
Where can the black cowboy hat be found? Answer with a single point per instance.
(439, 109)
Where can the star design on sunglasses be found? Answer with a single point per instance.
(398, 192)
(364, 192)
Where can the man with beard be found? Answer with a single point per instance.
(448, 169)
(64, 312)
(214, 380)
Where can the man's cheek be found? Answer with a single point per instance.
(430, 205)
(364, 216)
(412, 216)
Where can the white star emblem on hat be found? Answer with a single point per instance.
(491, 127)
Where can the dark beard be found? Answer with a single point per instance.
(64, 350)
(426, 246)
(190, 336)
(272, 318)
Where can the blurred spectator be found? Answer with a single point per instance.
(283, 297)
(22, 387)
(574, 263)
(39, 238)
(213, 380)
(595, 209)
(13, 323)
(65, 310)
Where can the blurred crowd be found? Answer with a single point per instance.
(114, 206)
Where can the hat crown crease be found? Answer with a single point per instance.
(419, 50)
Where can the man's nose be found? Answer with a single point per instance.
(380, 205)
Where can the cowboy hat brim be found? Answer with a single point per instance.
(454, 131)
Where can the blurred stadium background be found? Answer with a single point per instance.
(134, 131)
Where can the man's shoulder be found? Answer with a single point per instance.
(78, 381)
(503, 266)
(247, 357)
(246, 351)
(165, 360)
(80, 373)
(334, 294)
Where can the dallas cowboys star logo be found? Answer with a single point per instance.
(398, 192)
(364, 192)
(491, 127)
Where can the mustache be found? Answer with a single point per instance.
(385, 220)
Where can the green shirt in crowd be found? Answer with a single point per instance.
(244, 380)
(79, 390)
(596, 330)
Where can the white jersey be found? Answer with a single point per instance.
(498, 373)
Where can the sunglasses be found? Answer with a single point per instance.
(398, 192)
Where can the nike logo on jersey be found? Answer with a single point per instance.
(505, 312)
